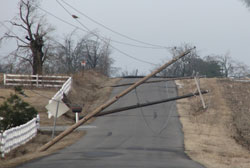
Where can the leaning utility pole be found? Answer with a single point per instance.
(150, 103)
(111, 101)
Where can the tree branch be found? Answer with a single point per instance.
(37, 29)
(25, 59)
(26, 19)
(23, 46)
(19, 25)
(16, 37)
(21, 12)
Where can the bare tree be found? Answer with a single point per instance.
(240, 70)
(31, 34)
(96, 52)
(226, 63)
(231, 67)
(92, 50)
(65, 58)
(183, 67)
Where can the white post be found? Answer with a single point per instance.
(77, 117)
(3, 135)
(4, 79)
(199, 90)
(55, 117)
(37, 121)
(36, 80)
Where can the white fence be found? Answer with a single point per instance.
(59, 95)
(17, 136)
(34, 80)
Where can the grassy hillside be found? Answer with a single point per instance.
(211, 135)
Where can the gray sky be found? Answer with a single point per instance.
(214, 27)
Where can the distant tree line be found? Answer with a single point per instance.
(210, 66)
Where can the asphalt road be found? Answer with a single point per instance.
(148, 137)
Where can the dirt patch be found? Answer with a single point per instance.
(28, 152)
(208, 134)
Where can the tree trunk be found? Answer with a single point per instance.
(37, 54)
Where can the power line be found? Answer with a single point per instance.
(120, 51)
(115, 41)
(8, 28)
(64, 21)
(116, 32)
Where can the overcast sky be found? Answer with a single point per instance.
(214, 26)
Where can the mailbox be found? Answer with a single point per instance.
(76, 109)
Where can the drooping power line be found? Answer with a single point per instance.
(115, 41)
(114, 31)
(102, 39)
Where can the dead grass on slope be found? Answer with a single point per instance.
(89, 90)
(208, 133)
(237, 97)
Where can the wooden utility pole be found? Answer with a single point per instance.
(199, 90)
(111, 101)
(149, 103)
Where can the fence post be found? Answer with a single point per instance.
(1, 151)
(37, 121)
(37, 80)
(4, 79)
(3, 135)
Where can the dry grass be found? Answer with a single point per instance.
(89, 90)
(28, 152)
(208, 133)
(237, 97)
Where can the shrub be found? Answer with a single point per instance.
(14, 112)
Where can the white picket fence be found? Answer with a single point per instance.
(59, 95)
(34, 80)
(16, 136)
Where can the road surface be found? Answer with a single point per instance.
(148, 137)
